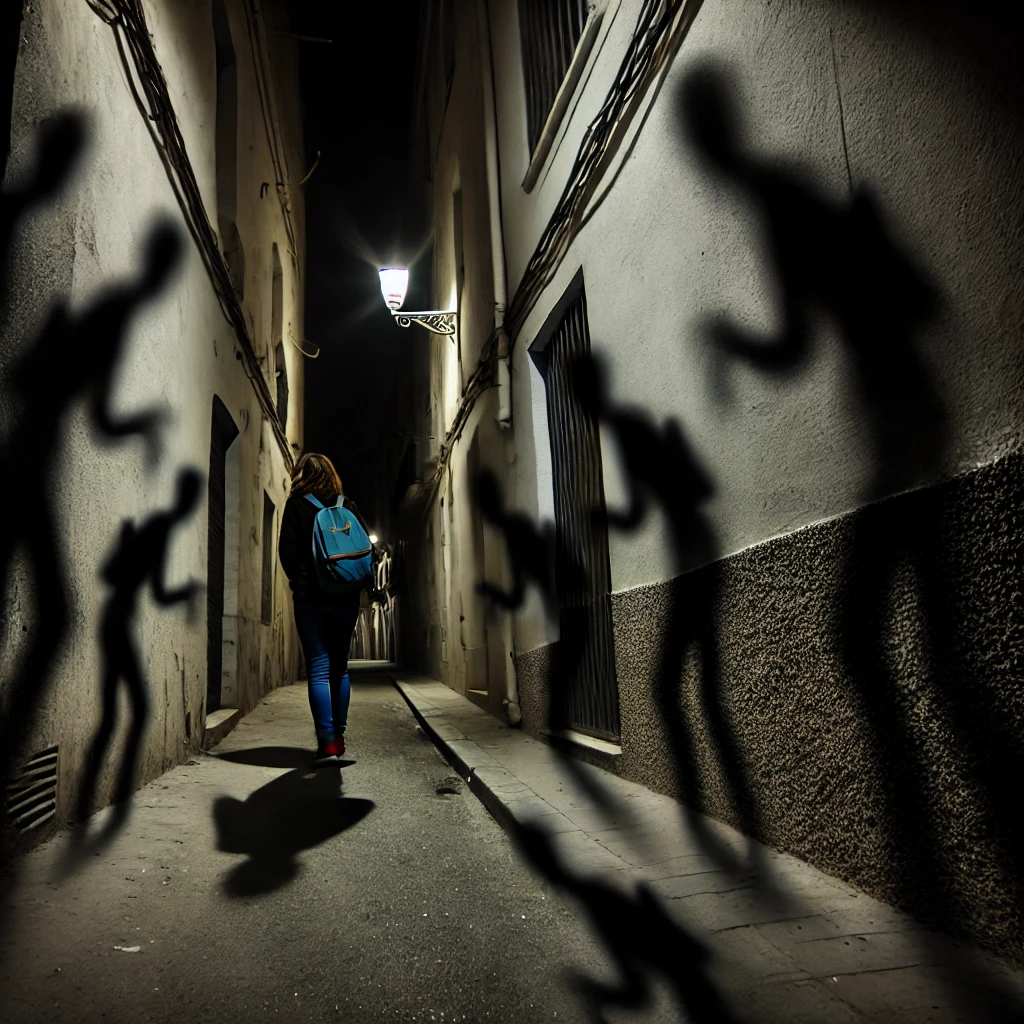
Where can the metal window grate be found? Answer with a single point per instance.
(32, 795)
(549, 31)
(582, 531)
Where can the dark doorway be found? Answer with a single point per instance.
(223, 432)
(582, 534)
(277, 337)
(269, 550)
(281, 376)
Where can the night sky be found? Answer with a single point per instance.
(357, 97)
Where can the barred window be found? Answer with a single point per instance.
(582, 570)
(549, 31)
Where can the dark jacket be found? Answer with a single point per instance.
(295, 549)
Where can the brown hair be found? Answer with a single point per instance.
(315, 474)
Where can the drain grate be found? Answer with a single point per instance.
(32, 796)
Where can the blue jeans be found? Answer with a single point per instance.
(325, 633)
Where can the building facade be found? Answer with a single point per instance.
(211, 143)
(446, 546)
(790, 236)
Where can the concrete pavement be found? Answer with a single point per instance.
(247, 887)
(793, 944)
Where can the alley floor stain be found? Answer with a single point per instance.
(341, 894)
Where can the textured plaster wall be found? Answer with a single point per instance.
(456, 640)
(861, 660)
(931, 117)
(533, 672)
(459, 165)
(855, 698)
(179, 353)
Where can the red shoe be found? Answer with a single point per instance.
(337, 747)
(327, 754)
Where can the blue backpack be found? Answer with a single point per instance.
(342, 552)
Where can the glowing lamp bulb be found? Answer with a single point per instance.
(373, 538)
(394, 283)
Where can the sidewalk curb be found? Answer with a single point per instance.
(218, 725)
(483, 780)
(797, 960)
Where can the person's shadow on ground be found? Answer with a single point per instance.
(274, 757)
(642, 940)
(294, 812)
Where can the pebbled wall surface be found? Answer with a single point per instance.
(850, 693)
(853, 695)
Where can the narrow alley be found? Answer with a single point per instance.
(247, 886)
(512, 512)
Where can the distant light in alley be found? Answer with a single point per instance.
(373, 538)
(394, 282)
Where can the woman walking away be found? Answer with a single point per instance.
(326, 584)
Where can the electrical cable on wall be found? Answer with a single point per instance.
(659, 30)
(316, 163)
(278, 159)
(143, 71)
(308, 355)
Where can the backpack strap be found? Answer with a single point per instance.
(313, 499)
(340, 503)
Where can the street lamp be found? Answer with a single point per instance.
(394, 282)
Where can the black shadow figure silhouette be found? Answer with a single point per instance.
(60, 145)
(294, 812)
(536, 559)
(530, 547)
(75, 356)
(139, 558)
(639, 936)
(662, 470)
(840, 259)
(61, 142)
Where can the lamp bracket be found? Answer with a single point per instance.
(437, 321)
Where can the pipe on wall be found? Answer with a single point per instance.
(503, 377)
(504, 380)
